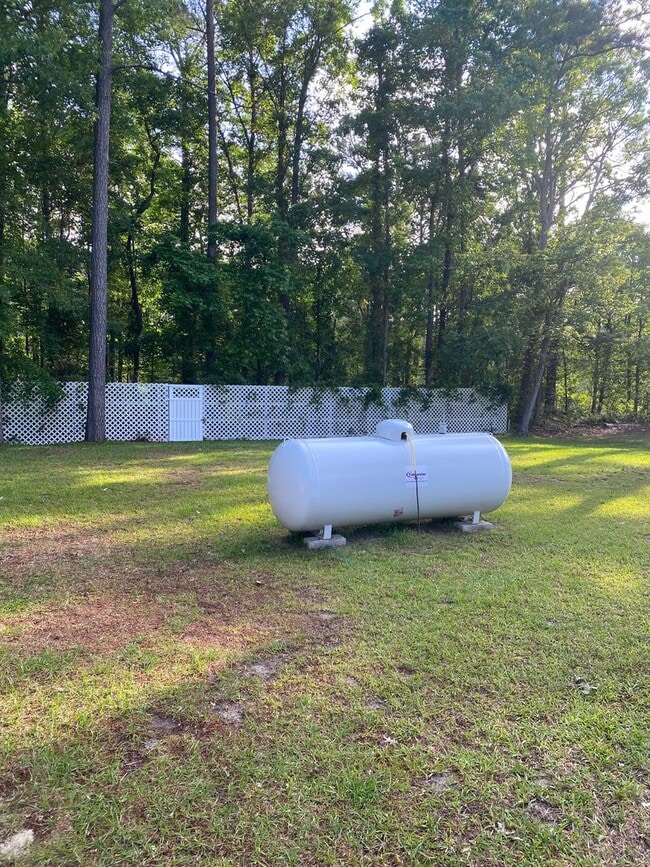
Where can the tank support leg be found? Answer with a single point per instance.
(324, 539)
(475, 525)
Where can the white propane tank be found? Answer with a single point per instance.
(346, 481)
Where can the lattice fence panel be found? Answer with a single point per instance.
(277, 412)
(463, 410)
(137, 411)
(141, 411)
(217, 413)
(36, 424)
(236, 412)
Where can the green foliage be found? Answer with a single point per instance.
(192, 307)
(29, 383)
(435, 196)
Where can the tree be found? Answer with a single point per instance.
(466, 90)
(438, 204)
(212, 130)
(96, 411)
(585, 98)
(378, 128)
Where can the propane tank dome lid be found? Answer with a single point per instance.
(394, 429)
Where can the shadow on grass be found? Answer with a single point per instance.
(183, 533)
(272, 755)
(596, 474)
(168, 483)
(126, 754)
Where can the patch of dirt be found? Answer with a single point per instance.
(235, 636)
(544, 782)
(310, 594)
(374, 702)
(100, 625)
(406, 671)
(17, 845)
(439, 782)
(183, 479)
(328, 628)
(231, 712)
(105, 596)
(162, 732)
(160, 726)
(241, 615)
(630, 838)
(8, 791)
(544, 812)
(605, 429)
(131, 761)
(458, 731)
(33, 550)
(96, 558)
(245, 614)
(266, 669)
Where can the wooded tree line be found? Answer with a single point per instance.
(438, 197)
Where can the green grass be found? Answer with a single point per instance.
(427, 698)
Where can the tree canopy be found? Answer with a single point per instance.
(439, 198)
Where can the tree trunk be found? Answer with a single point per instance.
(595, 374)
(606, 363)
(552, 316)
(527, 416)
(550, 391)
(112, 355)
(96, 413)
(637, 373)
(428, 340)
(210, 353)
(251, 139)
(2, 250)
(378, 272)
(431, 295)
(212, 132)
(546, 185)
(594, 392)
(448, 223)
(186, 189)
(281, 167)
(565, 372)
(311, 65)
(136, 308)
(388, 242)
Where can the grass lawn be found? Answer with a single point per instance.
(183, 683)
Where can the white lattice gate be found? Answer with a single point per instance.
(186, 413)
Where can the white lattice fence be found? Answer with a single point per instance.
(35, 424)
(137, 410)
(133, 411)
(141, 411)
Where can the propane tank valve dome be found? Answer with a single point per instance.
(394, 429)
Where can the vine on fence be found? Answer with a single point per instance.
(140, 410)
